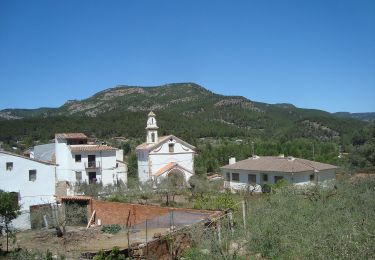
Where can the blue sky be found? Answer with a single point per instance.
(311, 53)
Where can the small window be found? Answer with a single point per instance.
(265, 177)
(9, 166)
(78, 158)
(235, 176)
(228, 176)
(312, 177)
(78, 176)
(32, 175)
(171, 148)
(251, 178)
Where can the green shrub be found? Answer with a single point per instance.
(118, 198)
(115, 254)
(111, 229)
(315, 223)
(220, 201)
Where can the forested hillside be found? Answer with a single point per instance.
(362, 116)
(185, 109)
(191, 112)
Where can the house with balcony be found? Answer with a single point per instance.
(54, 169)
(251, 174)
(80, 161)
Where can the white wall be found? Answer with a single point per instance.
(143, 166)
(301, 178)
(150, 162)
(243, 184)
(107, 173)
(36, 192)
(122, 172)
(182, 155)
(63, 160)
(120, 155)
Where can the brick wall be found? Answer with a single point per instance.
(117, 212)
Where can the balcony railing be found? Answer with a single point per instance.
(92, 165)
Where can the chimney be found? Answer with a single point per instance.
(232, 160)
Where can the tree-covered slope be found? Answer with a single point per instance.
(370, 116)
(184, 109)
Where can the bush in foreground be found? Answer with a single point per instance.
(291, 223)
(316, 223)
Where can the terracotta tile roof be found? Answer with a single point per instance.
(77, 197)
(161, 140)
(71, 136)
(169, 167)
(90, 148)
(165, 168)
(278, 164)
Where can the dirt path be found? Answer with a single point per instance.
(77, 240)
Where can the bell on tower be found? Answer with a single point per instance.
(152, 129)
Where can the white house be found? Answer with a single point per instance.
(32, 181)
(254, 172)
(54, 169)
(160, 156)
(79, 161)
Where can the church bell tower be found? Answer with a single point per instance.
(152, 129)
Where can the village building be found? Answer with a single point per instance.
(78, 161)
(32, 181)
(55, 169)
(252, 173)
(161, 156)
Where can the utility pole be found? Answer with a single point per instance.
(252, 148)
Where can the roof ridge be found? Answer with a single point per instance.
(28, 158)
(164, 139)
(273, 163)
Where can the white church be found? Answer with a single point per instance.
(162, 156)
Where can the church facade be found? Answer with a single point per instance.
(161, 156)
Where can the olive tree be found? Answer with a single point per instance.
(9, 210)
(171, 185)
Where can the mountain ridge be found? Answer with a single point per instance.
(183, 109)
(72, 106)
